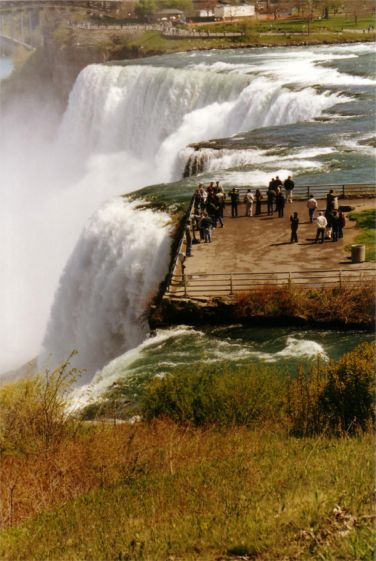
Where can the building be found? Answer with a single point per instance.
(175, 16)
(226, 11)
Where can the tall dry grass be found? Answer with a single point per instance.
(346, 305)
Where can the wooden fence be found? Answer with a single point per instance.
(227, 284)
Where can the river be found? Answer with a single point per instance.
(81, 262)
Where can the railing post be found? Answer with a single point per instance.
(343, 191)
(185, 284)
(340, 278)
(231, 291)
(289, 281)
(308, 192)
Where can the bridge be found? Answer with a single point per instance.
(20, 20)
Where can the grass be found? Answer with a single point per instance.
(366, 221)
(342, 305)
(206, 494)
(160, 491)
(272, 33)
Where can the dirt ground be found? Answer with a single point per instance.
(262, 244)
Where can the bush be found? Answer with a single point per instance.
(328, 398)
(33, 411)
(207, 396)
(336, 398)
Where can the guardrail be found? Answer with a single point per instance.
(228, 284)
(343, 190)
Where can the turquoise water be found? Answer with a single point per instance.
(222, 348)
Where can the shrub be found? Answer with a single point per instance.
(336, 398)
(208, 396)
(33, 411)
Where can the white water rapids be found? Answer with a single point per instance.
(124, 128)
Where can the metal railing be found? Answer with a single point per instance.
(342, 190)
(221, 284)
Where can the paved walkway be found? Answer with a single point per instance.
(262, 244)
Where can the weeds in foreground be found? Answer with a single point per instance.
(158, 489)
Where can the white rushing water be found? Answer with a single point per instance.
(119, 260)
(124, 128)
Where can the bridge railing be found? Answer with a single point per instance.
(228, 284)
(302, 192)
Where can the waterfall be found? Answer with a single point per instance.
(125, 127)
(120, 259)
(149, 114)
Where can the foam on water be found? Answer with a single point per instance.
(120, 258)
(134, 363)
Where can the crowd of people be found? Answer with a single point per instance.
(209, 204)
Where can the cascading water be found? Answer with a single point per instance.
(120, 258)
(127, 127)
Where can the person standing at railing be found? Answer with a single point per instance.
(188, 239)
(330, 200)
(270, 199)
(248, 200)
(258, 197)
(234, 197)
(289, 186)
(220, 199)
(312, 206)
(280, 203)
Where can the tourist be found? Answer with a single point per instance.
(258, 196)
(341, 224)
(328, 231)
(212, 210)
(234, 197)
(335, 226)
(270, 199)
(321, 225)
(294, 220)
(280, 203)
(330, 199)
(248, 200)
(220, 201)
(203, 194)
(289, 186)
(188, 238)
(312, 206)
(206, 225)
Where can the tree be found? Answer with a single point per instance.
(144, 8)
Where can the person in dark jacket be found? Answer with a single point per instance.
(342, 223)
(335, 226)
(280, 204)
(270, 199)
(258, 197)
(294, 223)
(289, 186)
(234, 197)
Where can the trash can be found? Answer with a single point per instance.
(358, 253)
